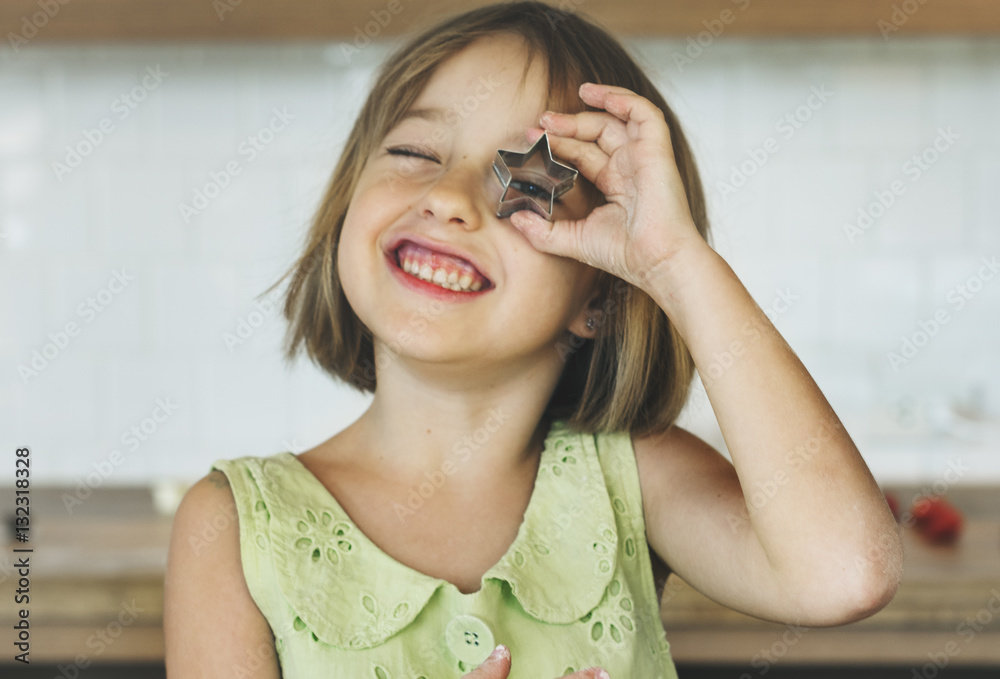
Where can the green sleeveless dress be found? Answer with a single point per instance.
(574, 590)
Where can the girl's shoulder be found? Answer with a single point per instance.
(265, 485)
(210, 501)
(257, 468)
(207, 497)
(205, 590)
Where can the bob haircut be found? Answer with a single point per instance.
(636, 374)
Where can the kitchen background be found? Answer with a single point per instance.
(118, 215)
(153, 186)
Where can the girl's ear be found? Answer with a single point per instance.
(590, 319)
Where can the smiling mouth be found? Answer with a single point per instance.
(445, 271)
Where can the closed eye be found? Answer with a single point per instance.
(411, 152)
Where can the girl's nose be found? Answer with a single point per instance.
(460, 196)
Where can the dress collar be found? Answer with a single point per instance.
(352, 594)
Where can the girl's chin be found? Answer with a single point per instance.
(416, 348)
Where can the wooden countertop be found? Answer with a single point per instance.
(944, 589)
(96, 576)
(103, 565)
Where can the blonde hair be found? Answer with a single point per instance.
(636, 374)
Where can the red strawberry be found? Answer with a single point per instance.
(937, 520)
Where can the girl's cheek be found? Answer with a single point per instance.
(409, 171)
(394, 185)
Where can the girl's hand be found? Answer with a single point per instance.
(626, 152)
(497, 666)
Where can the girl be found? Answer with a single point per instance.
(518, 474)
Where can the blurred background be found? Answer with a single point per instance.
(160, 162)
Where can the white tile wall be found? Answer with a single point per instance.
(63, 237)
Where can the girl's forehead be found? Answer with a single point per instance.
(482, 71)
(488, 99)
(496, 87)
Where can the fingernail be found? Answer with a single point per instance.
(603, 674)
(499, 652)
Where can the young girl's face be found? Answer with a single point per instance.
(426, 202)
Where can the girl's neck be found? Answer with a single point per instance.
(472, 436)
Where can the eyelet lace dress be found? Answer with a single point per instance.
(574, 590)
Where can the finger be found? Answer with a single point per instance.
(560, 237)
(533, 133)
(586, 156)
(496, 666)
(600, 127)
(625, 105)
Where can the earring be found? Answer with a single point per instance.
(590, 323)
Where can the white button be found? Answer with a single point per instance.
(469, 638)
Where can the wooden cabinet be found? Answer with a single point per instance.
(120, 20)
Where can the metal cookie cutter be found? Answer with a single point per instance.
(534, 168)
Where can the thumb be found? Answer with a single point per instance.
(553, 238)
(496, 666)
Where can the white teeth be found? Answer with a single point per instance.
(452, 280)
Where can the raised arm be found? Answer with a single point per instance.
(812, 539)
(795, 529)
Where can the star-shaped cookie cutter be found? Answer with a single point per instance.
(539, 169)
